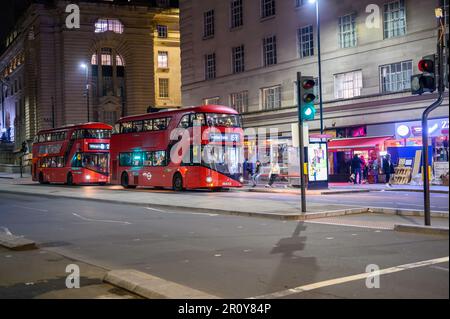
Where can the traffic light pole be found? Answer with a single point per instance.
(301, 144)
(428, 110)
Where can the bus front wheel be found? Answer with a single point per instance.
(125, 181)
(70, 179)
(177, 183)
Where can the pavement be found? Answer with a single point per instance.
(41, 274)
(231, 256)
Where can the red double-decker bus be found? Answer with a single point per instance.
(76, 154)
(142, 149)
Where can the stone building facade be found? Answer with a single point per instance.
(123, 59)
(246, 53)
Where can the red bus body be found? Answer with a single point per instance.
(76, 154)
(141, 147)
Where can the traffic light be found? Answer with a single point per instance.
(24, 148)
(307, 98)
(425, 82)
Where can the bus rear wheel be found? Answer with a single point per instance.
(70, 179)
(177, 183)
(125, 181)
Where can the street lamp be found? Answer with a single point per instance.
(86, 68)
(319, 60)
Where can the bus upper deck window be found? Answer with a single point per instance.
(185, 122)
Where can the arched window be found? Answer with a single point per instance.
(104, 25)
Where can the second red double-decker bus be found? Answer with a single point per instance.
(76, 154)
(141, 148)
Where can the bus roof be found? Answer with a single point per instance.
(91, 125)
(192, 109)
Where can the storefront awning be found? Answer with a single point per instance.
(346, 144)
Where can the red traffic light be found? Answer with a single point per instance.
(426, 66)
(308, 84)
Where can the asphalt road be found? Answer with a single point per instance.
(404, 200)
(231, 256)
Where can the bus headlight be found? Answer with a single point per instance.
(241, 179)
(209, 180)
(88, 177)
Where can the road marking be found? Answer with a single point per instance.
(350, 225)
(6, 230)
(100, 220)
(440, 268)
(337, 281)
(156, 210)
(31, 208)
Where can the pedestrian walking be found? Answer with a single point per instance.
(256, 174)
(364, 169)
(356, 169)
(388, 169)
(273, 175)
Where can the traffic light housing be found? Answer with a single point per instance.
(425, 82)
(24, 147)
(307, 98)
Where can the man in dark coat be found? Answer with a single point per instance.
(356, 168)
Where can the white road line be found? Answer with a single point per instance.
(6, 230)
(342, 280)
(100, 220)
(440, 268)
(156, 210)
(350, 225)
(31, 208)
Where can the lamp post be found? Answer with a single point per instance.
(86, 68)
(319, 61)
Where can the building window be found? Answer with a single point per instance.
(299, 3)
(119, 61)
(347, 31)
(270, 50)
(163, 3)
(396, 77)
(267, 8)
(306, 41)
(238, 59)
(163, 88)
(162, 31)
(239, 101)
(347, 85)
(106, 57)
(163, 59)
(208, 24)
(236, 13)
(394, 19)
(271, 98)
(211, 101)
(104, 25)
(108, 73)
(210, 66)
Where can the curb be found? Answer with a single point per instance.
(152, 287)
(277, 216)
(16, 243)
(413, 190)
(429, 230)
(407, 212)
(308, 192)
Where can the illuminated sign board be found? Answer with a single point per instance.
(317, 162)
(218, 137)
(98, 146)
(414, 129)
